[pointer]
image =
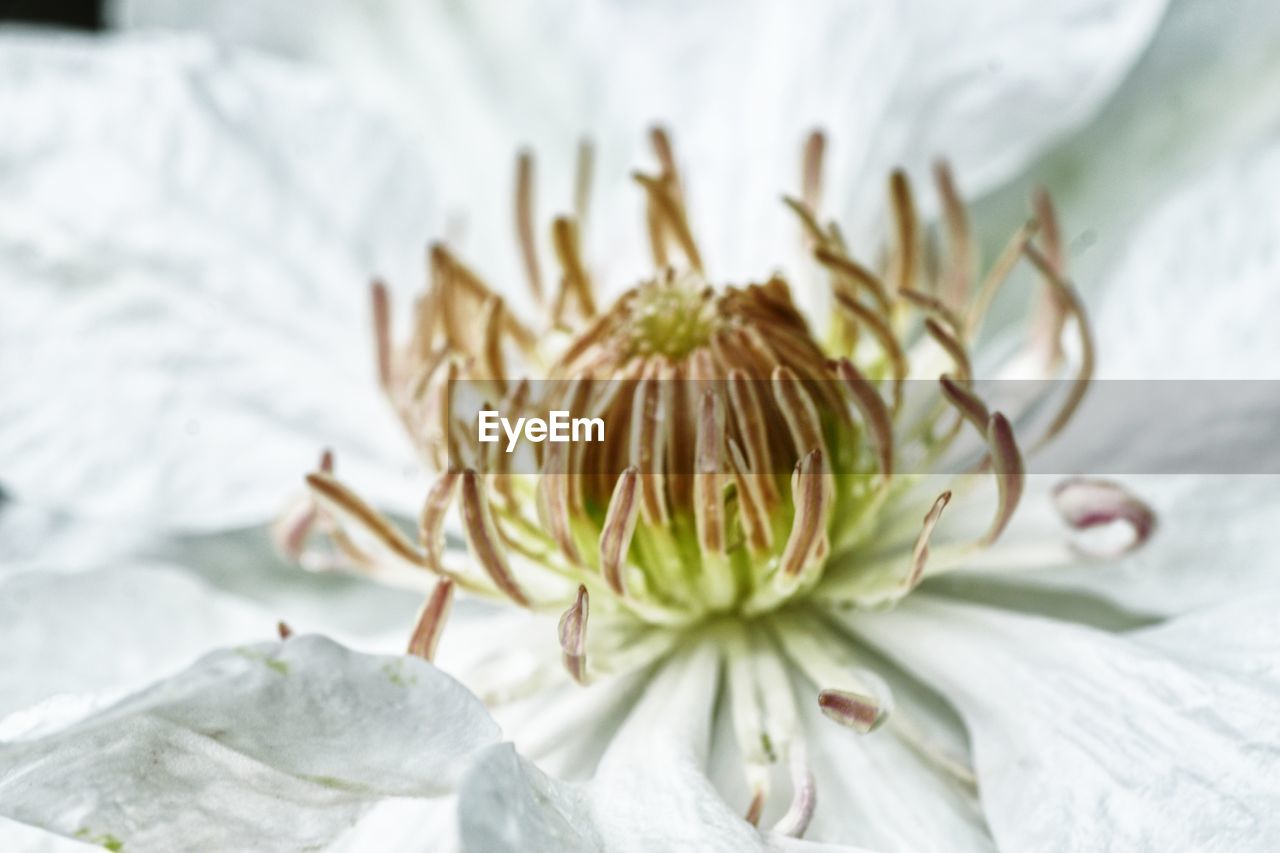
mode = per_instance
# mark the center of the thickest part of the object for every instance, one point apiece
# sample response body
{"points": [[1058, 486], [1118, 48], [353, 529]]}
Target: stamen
{"points": [[811, 495], [431, 620], [1087, 502], [807, 219], [749, 415], [565, 234], [665, 152], [966, 402], [859, 275], [573, 636], [935, 307], [491, 323], [553, 488], [648, 448], [1009, 472], [751, 500], [996, 276], [798, 411], [858, 712], [804, 796], [708, 491], [1051, 311], [875, 415], [382, 332], [431, 525], [1074, 307], [920, 553], [584, 166], [524, 223], [619, 527], [338, 499], [888, 342], [811, 172], [957, 278], [906, 231], [289, 534], [283, 630], [664, 198], [954, 349], [482, 538]]}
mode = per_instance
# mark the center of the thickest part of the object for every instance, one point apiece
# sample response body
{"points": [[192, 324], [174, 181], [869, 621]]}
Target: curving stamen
{"points": [[804, 795], [798, 411], [664, 197], [491, 348], [431, 525], [553, 499], [1051, 311], [573, 636], [811, 494], [482, 538], [935, 307], [856, 274], [969, 404], [748, 411], [807, 218], [619, 527], [648, 444], [382, 331], [996, 276], [888, 342], [1084, 374], [954, 349], [920, 553], [815, 147], [564, 232], [906, 232], [708, 491], [290, 532], [956, 280], [875, 415], [431, 620], [1088, 502], [853, 710], [524, 223], [1009, 472], [751, 501]]}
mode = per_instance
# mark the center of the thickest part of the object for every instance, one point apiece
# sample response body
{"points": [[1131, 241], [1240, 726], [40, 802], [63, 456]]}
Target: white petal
{"points": [[1214, 542], [1199, 92], [1198, 277], [740, 84], [1086, 740], [650, 790], [274, 746], [110, 630], [188, 237]]}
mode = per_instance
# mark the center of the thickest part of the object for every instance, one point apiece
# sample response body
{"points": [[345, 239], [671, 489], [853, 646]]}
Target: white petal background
{"points": [[186, 230]]}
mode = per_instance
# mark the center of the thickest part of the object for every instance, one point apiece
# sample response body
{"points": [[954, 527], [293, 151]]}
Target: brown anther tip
{"points": [[920, 553], [326, 461], [283, 630], [1089, 502], [852, 710], [755, 808], [431, 621], [572, 631], [1009, 472]]}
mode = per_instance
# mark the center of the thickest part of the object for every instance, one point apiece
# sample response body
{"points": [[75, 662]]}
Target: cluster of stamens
{"points": [[750, 463]]}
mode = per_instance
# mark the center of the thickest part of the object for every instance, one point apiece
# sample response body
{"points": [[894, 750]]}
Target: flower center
{"points": [[671, 320]]}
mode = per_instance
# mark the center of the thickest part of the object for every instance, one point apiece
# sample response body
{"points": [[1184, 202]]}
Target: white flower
{"points": [[285, 746]]}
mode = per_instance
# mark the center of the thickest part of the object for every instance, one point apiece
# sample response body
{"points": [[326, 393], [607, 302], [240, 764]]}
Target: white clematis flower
{"points": [[665, 760]]}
